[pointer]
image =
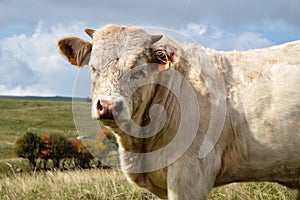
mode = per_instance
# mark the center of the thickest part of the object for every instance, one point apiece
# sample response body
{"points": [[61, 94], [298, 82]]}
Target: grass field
{"points": [[111, 184], [19, 116]]}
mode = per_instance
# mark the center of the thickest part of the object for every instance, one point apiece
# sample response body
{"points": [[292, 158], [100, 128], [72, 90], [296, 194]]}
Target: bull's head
{"points": [[120, 59]]}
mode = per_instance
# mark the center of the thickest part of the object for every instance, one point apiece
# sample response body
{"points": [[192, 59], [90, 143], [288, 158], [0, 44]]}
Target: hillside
{"points": [[54, 98], [42, 116]]}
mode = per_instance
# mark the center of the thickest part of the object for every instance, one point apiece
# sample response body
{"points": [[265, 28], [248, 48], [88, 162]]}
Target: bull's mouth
{"points": [[112, 125], [108, 123], [121, 127]]}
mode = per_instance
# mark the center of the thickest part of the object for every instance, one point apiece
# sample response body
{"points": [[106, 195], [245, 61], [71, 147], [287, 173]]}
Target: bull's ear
{"points": [[76, 50]]}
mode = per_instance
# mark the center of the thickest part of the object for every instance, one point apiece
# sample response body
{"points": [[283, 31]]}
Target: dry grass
{"points": [[80, 184], [252, 191], [111, 184]]}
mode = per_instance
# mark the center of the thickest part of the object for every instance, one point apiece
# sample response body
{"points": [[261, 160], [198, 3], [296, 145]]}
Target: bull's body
{"points": [[260, 137]]}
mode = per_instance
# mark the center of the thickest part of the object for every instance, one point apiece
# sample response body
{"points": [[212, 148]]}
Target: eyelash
{"points": [[94, 70]]}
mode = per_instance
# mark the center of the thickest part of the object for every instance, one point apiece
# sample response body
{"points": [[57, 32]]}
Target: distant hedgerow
{"points": [[57, 148]]}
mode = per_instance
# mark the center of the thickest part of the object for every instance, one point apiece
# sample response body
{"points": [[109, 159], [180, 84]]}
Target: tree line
{"points": [[45, 151]]}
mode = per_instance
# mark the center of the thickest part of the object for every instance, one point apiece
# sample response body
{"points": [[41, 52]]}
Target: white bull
{"points": [[254, 96]]}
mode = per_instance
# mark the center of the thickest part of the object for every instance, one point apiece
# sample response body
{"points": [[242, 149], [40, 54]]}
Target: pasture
{"points": [[19, 116], [111, 184]]}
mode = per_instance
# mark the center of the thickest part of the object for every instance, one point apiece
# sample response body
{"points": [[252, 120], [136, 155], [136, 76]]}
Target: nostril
{"points": [[99, 106]]}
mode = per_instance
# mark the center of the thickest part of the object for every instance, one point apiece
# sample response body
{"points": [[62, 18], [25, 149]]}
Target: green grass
{"points": [[9, 166], [19, 116]]}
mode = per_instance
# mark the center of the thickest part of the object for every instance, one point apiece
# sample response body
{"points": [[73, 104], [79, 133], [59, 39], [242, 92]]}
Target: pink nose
{"points": [[106, 108]]}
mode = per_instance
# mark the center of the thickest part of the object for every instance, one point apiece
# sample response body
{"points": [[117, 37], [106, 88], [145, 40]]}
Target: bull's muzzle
{"points": [[111, 109], [105, 109]]}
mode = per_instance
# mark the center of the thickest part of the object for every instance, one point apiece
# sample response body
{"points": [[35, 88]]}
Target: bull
{"points": [[188, 118]]}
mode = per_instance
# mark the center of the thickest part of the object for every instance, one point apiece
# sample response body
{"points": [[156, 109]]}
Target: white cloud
{"points": [[250, 40], [31, 65], [196, 29], [215, 38], [26, 91]]}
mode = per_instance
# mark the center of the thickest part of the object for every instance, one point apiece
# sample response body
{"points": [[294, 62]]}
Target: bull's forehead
{"points": [[118, 39], [115, 51], [114, 44]]}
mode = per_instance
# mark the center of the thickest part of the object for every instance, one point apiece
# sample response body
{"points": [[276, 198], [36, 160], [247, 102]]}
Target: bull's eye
{"points": [[94, 70], [138, 74], [161, 56]]}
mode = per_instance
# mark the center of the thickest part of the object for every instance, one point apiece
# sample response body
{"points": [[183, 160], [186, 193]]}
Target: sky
{"points": [[31, 65]]}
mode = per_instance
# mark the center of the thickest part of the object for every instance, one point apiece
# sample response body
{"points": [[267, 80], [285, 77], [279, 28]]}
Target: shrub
{"points": [[60, 149], [80, 153], [29, 146]]}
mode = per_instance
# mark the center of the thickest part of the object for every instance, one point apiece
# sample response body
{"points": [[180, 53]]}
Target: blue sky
{"points": [[30, 64]]}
